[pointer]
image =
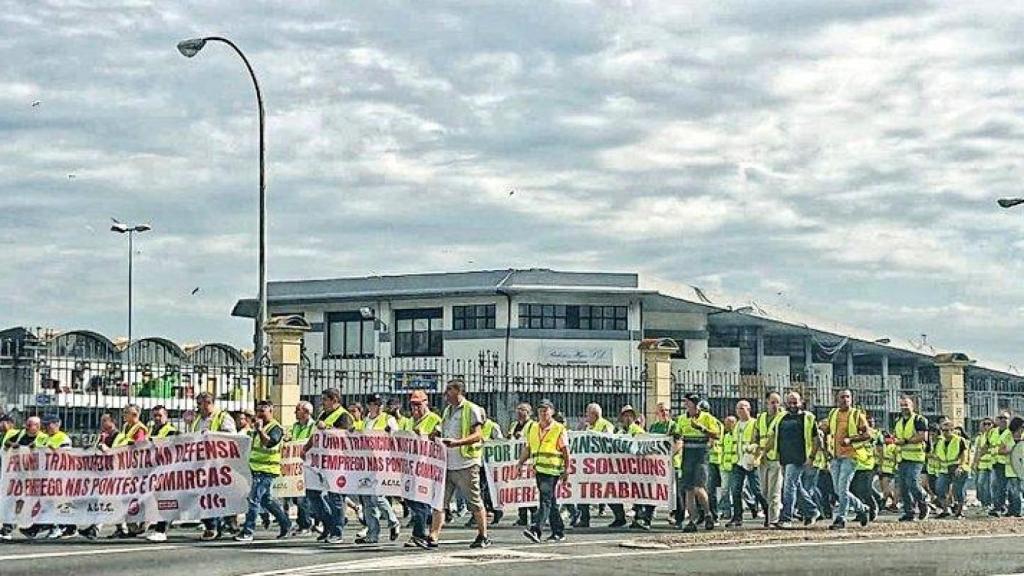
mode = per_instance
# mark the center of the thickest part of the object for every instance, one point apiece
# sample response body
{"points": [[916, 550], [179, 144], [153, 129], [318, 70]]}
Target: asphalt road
{"points": [[596, 552]]}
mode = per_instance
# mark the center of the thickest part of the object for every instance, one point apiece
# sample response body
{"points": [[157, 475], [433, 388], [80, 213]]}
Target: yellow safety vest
{"points": [[996, 440], [488, 429], [8, 435], [690, 433], [890, 458], [810, 428], [165, 431], [359, 425], [766, 429], [52, 440], [300, 432], [904, 429], [729, 457], [602, 425], [215, 422], [547, 458], [948, 453], [266, 460], [126, 435], [471, 451], [331, 418], [425, 426], [380, 423]]}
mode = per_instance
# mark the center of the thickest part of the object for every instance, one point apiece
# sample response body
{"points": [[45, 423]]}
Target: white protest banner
{"points": [[186, 477], [290, 484], [362, 463], [603, 469]]}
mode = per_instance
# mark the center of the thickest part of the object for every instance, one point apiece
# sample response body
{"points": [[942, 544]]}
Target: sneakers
{"points": [[362, 533], [618, 523], [365, 540], [690, 528], [415, 542], [431, 543], [285, 533], [734, 524], [395, 531], [301, 532], [481, 542], [498, 515], [709, 522], [636, 525], [533, 535], [872, 514], [244, 537], [839, 524], [555, 538], [208, 535], [155, 537], [906, 518], [944, 514], [785, 525], [54, 534], [6, 536], [922, 510], [810, 520], [863, 517], [333, 539]]}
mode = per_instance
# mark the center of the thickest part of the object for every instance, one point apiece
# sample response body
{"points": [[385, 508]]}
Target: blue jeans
{"points": [[794, 493], [329, 508], [908, 477], [998, 493], [1013, 496], [304, 519], [422, 516], [957, 482], [376, 508], [983, 484], [259, 496], [842, 475], [547, 488], [737, 478]]}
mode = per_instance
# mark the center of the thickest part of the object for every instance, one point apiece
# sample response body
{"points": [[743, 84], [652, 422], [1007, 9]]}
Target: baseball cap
{"points": [[627, 408], [50, 419], [374, 399], [418, 397], [6, 418], [545, 403], [692, 397]]}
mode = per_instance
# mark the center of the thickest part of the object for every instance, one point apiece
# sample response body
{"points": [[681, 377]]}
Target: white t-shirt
{"points": [[451, 427]]}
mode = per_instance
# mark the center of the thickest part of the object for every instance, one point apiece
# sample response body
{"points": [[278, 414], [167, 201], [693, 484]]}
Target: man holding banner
{"points": [[462, 429], [329, 507], [548, 446], [422, 423], [301, 430]]}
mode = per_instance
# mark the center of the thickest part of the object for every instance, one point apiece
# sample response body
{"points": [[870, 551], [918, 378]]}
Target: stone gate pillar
{"points": [[951, 385], [284, 337], [657, 357]]}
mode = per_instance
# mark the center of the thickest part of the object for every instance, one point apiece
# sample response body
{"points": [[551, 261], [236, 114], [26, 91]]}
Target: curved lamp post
{"points": [[190, 48]]}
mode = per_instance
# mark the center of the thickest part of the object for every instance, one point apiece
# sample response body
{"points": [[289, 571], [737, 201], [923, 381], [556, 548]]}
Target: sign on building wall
{"points": [[574, 354]]}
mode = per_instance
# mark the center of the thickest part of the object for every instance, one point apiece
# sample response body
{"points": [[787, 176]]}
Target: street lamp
{"points": [[121, 228], [188, 49], [1010, 202]]}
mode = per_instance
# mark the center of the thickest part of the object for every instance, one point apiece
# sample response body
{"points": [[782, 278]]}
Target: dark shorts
{"points": [[695, 469]]}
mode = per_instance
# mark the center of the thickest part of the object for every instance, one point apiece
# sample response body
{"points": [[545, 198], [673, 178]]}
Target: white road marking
{"points": [[408, 562], [93, 552]]}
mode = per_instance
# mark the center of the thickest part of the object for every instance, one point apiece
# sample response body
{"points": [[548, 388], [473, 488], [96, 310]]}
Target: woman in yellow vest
{"points": [[547, 445], [887, 473], [265, 463]]}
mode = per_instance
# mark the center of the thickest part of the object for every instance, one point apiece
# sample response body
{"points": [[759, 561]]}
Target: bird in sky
{"points": [[195, 290], [71, 176], [512, 192], [36, 103]]}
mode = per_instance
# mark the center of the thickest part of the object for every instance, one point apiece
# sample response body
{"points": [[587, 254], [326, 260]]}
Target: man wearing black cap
{"points": [[547, 445], [694, 430]]}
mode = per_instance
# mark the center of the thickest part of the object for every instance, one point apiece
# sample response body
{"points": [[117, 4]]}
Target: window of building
{"points": [[572, 317], [349, 335], [477, 317], [419, 332]]}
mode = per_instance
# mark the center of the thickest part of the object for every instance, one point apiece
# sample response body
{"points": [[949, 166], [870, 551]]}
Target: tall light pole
{"points": [[190, 48], [130, 231]]}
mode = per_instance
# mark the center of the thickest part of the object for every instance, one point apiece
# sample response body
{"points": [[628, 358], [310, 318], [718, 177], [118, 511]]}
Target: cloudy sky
{"points": [[837, 158]]}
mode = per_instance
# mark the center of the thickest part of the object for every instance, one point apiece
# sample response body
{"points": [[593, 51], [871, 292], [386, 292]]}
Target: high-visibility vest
{"points": [[933, 464], [765, 430], [470, 451], [904, 430], [266, 460], [985, 458], [402, 421], [359, 425], [547, 458], [330, 419], [822, 456], [58, 440], [216, 420], [522, 431], [488, 429], [127, 434], [747, 436], [890, 458], [864, 456], [948, 452], [8, 435], [380, 423], [690, 433], [165, 431], [727, 445], [851, 430], [601, 425], [424, 426], [633, 429], [1007, 441], [998, 439], [302, 432], [810, 428]]}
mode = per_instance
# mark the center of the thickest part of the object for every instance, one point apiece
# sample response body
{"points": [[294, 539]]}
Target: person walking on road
{"points": [[770, 471], [547, 445], [847, 427], [462, 428], [210, 418], [911, 431], [954, 454], [744, 474], [999, 435], [377, 508], [794, 442], [1014, 431], [329, 507], [694, 430], [423, 422], [265, 464], [516, 430], [982, 464]]}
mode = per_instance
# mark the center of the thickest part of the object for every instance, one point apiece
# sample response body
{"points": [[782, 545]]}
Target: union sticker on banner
{"points": [[402, 464], [603, 469], [186, 477]]}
